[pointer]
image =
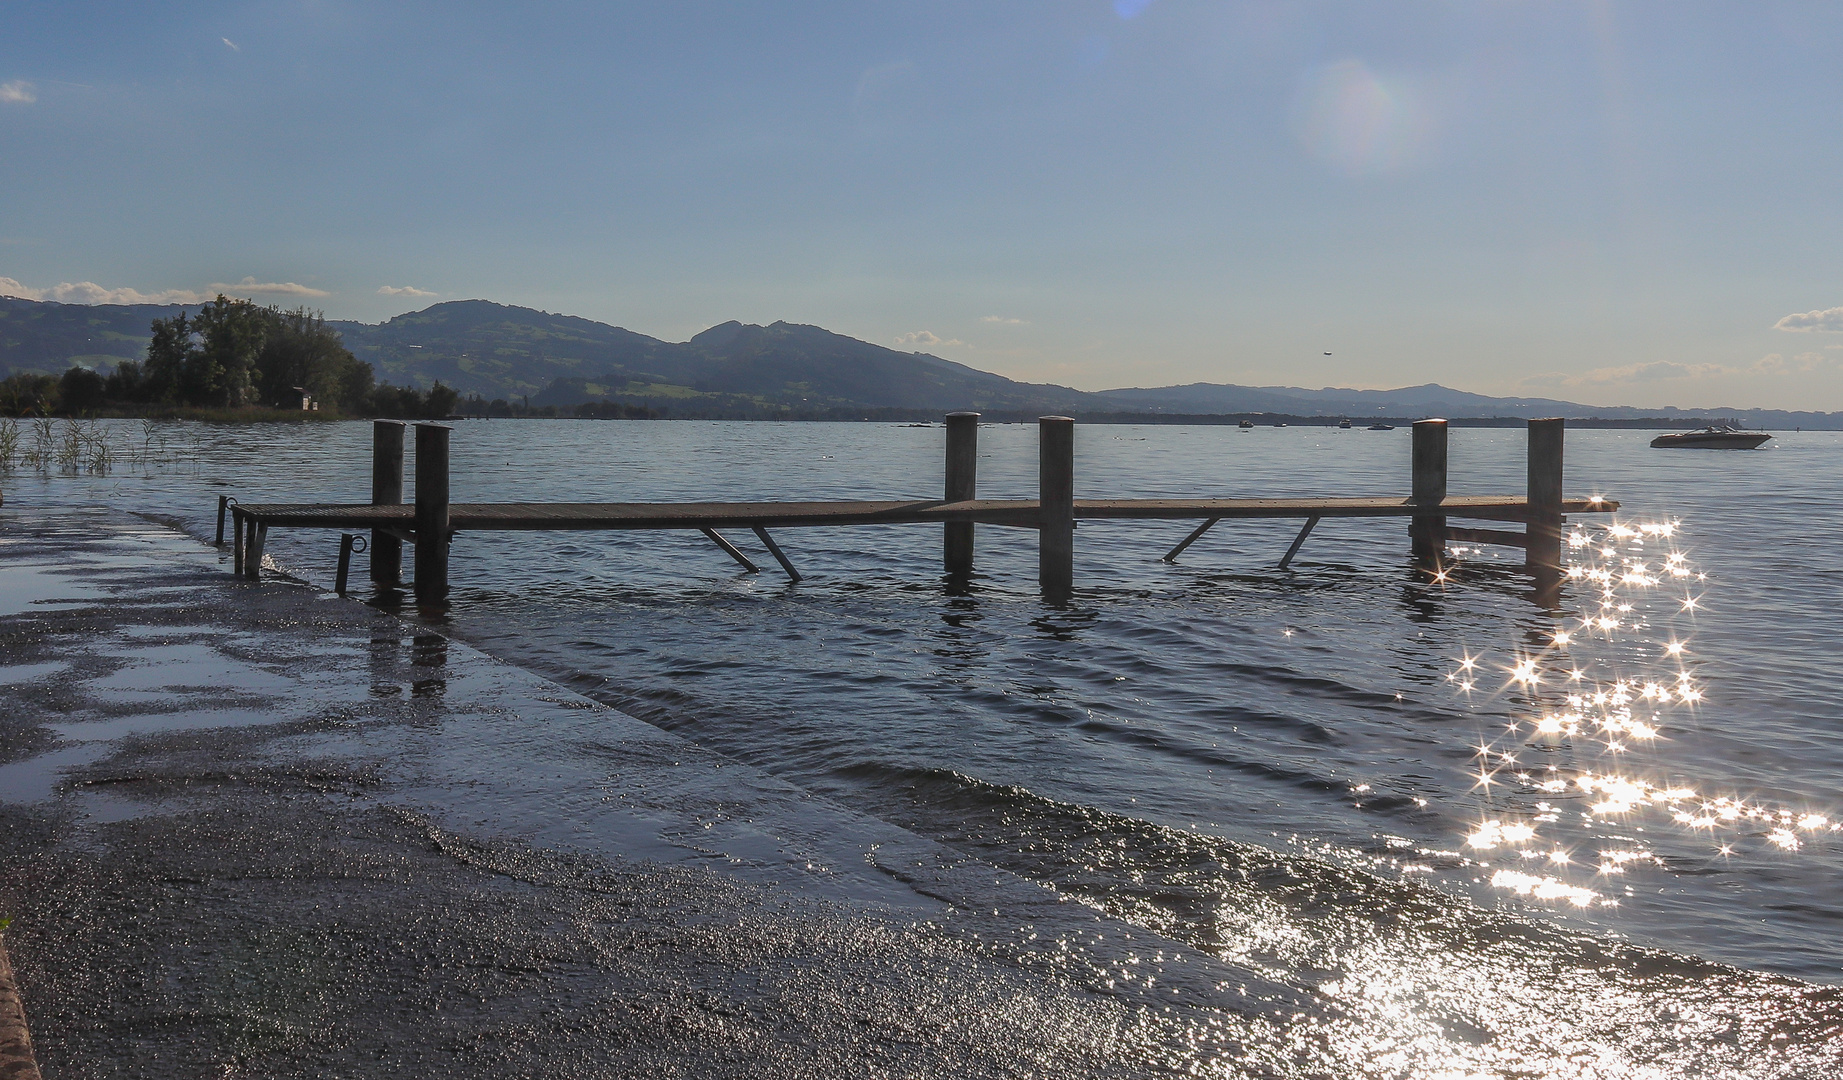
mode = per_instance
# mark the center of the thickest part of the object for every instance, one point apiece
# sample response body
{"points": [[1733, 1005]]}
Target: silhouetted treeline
{"points": [[232, 354], [435, 403], [475, 405]]}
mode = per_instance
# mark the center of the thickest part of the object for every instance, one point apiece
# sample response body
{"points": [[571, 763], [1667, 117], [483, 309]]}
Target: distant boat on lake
{"points": [[1713, 437], [1382, 427], [1245, 424], [1344, 423]]}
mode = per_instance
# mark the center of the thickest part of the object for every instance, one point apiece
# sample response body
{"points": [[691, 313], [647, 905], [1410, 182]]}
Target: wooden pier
{"points": [[1053, 514]]}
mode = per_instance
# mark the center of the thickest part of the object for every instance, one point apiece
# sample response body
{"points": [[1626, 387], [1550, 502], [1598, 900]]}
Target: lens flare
{"points": [[1360, 122]]}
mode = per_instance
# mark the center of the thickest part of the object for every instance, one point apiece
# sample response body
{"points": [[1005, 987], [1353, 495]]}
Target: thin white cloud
{"points": [[1774, 364], [1829, 320], [923, 339], [18, 92], [1657, 371], [88, 292], [406, 290], [1004, 320], [250, 285], [234, 47]]}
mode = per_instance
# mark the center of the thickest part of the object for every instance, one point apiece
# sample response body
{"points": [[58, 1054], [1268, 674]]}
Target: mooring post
{"points": [[224, 502], [1545, 467], [1427, 532], [1056, 500], [962, 486], [386, 490], [432, 511]]}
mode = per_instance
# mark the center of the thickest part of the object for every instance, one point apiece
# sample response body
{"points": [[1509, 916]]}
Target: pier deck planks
{"points": [[473, 517]]}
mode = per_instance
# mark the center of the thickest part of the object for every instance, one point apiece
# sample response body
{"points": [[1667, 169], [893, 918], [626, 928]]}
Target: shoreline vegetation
{"points": [[232, 361]]}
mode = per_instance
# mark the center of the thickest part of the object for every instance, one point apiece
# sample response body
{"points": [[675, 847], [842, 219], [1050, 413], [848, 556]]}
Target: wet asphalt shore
{"points": [[255, 830]]}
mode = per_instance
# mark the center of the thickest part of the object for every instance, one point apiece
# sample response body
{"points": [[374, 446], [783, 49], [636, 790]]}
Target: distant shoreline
{"points": [[263, 415]]}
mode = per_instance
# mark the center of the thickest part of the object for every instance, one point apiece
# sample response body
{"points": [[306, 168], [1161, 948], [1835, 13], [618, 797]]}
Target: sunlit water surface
{"points": [[1433, 803]]}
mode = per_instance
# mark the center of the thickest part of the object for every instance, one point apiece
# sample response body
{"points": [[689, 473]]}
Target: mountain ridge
{"points": [[734, 368]]}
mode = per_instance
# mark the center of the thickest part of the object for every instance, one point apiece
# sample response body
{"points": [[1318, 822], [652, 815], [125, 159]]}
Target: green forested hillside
{"points": [[51, 338]]}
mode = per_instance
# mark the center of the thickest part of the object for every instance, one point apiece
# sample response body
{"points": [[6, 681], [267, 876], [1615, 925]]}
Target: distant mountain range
{"points": [[737, 369]]}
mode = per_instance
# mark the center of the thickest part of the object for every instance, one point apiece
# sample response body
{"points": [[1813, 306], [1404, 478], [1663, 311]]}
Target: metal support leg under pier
{"points": [[774, 549], [731, 550], [1171, 556], [1286, 560]]}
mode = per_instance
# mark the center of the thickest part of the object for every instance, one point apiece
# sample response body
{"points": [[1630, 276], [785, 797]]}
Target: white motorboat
{"points": [[1713, 437]]}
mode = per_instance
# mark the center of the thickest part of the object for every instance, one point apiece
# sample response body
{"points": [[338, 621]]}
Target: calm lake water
{"points": [[1434, 804]]}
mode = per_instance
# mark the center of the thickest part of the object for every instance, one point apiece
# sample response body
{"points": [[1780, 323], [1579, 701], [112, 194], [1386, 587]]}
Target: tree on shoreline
{"points": [[232, 354], [235, 353]]}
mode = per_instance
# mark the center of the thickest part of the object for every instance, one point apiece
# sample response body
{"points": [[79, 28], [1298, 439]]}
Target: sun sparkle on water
{"points": [[1599, 694]]}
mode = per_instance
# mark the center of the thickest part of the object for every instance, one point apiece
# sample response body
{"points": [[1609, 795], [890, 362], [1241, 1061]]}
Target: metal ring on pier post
{"points": [[1427, 532], [962, 486], [1545, 469], [386, 490], [1056, 507], [432, 511]]}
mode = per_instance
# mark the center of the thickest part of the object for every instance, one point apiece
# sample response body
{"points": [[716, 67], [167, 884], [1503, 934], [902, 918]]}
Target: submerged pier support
{"points": [[225, 502], [1543, 533], [255, 537], [432, 512], [1056, 507], [348, 543], [962, 486], [386, 490], [1427, 532]]}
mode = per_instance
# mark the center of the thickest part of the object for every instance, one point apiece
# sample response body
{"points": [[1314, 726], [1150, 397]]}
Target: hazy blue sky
{"points": [[1604, 202]]}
